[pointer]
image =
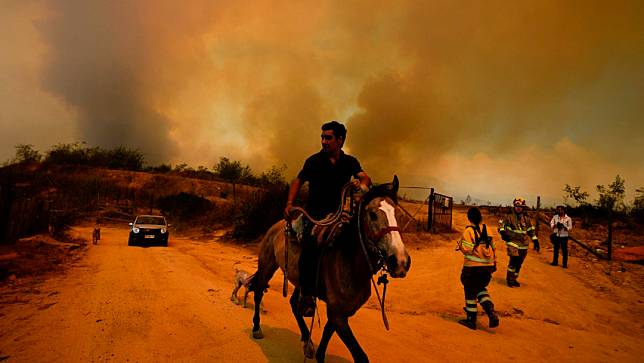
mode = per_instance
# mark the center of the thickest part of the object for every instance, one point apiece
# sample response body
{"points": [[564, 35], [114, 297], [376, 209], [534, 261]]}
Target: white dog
{"points": [[242, 278]]}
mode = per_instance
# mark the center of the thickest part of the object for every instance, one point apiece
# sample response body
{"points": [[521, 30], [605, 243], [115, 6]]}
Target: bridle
{"points": [[371, 250], [370, 243]]}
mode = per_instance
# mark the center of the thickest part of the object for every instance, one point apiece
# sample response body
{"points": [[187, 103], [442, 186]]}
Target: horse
{"points": [[369, 242]]}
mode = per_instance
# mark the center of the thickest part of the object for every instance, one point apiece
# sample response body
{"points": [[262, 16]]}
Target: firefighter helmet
{"points": [[519, 202]]}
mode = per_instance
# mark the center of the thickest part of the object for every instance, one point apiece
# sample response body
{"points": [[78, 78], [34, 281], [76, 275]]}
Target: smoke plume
{"points": [[489, 98]]}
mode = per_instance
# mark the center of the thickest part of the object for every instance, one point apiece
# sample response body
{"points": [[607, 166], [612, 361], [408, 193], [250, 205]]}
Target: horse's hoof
{"points": [[258, 334], [309, 350]]}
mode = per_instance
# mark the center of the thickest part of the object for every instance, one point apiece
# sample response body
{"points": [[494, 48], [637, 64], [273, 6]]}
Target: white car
{"points": [[148, 230]]}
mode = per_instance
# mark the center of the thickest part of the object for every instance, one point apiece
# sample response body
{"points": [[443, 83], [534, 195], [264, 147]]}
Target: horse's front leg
{"points": [[309, 349], [329, 329], [341, 325]]}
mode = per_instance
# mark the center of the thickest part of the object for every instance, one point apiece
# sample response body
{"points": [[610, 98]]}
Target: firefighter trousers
{"points": [[514, 266], [475, 281]]}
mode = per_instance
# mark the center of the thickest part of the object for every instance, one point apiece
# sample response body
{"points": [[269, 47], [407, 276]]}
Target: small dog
{"points": [[242, 278]]}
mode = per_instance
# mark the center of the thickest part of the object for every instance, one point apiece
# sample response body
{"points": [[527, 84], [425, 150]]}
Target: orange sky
{"points": [[489, 100]]}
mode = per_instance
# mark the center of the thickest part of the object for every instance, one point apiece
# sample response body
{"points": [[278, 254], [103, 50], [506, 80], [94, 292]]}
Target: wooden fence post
{"points": [[610, 235], [430, 209], [536, 228]]}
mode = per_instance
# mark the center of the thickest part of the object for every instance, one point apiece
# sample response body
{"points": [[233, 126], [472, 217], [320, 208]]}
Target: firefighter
{"points": [[478, 265], [514, 230]]}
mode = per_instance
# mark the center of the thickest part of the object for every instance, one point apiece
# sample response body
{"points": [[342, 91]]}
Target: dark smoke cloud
{"points": [[110, 60], [427, 89], [497, 77]]}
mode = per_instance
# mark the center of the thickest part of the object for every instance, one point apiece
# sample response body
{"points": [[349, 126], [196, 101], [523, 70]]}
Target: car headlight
{"points": [[135, 230], [163, 230]]}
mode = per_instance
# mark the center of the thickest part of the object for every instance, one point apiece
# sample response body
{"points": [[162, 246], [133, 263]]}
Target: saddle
{"points": [[324, 235]]}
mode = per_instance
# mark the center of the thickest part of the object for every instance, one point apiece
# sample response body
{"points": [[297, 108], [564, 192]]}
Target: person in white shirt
{"points": [[561, 225]]}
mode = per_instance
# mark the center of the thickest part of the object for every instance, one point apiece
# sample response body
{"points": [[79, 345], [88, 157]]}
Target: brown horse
{"points": [[344, 271]]}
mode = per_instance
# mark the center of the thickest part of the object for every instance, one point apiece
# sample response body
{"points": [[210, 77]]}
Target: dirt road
{"points": [[173, 304]]}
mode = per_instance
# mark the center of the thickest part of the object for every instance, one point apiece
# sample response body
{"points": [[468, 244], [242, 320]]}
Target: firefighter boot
{"points": [[470, 321], [493, 317], [511, 279]]}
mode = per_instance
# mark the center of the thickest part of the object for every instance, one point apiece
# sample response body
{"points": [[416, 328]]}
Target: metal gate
{"points": [[439, 212]]}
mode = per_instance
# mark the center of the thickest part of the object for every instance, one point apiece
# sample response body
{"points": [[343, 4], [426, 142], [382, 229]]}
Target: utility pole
{"points": [[430, 209], [536, 228], [610, 234]]}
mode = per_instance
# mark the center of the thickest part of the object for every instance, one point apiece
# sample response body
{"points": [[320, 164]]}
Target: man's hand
{"points": [[560, 225], [356, 184], [536, 245], [359, 186], [287, 211]]}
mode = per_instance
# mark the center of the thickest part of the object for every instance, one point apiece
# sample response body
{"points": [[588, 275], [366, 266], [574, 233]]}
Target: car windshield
{"points": [[150, 220]]}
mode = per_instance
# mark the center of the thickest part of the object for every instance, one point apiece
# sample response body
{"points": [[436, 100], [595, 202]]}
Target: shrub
{"points": [[256, 215], [183, 206]]}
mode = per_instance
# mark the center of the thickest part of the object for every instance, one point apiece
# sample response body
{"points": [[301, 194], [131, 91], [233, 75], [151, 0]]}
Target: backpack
{"points": [[481, 236]]}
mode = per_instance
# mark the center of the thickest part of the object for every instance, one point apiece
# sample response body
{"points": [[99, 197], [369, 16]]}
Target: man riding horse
{"points": [[327, 172]]}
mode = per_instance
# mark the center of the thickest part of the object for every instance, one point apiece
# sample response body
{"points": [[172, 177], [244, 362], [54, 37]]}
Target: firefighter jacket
{"points": [[514, 229], [476, 255]]}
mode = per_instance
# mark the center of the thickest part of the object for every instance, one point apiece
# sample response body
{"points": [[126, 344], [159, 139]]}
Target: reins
{"points": [[382, 279], [332, 218]]}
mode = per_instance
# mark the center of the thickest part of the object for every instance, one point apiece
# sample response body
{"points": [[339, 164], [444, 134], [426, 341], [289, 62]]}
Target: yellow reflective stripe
{"points": [[470, 302], [519, 231], [471, 310], [484, 299], [531, 228], [467, 244], [516, 245], [534, 238], [476, 259], [484, 292]]}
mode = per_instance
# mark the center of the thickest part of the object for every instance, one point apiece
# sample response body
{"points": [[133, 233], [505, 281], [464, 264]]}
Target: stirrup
{"points": [[306, 306]]}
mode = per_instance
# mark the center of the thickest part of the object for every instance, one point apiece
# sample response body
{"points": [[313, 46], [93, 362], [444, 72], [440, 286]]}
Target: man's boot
{"points": [[493, 317], [307, 306], [470, 321]]}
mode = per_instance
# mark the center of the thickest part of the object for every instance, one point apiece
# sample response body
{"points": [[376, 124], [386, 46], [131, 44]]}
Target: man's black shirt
{"points": [[326, 181]]}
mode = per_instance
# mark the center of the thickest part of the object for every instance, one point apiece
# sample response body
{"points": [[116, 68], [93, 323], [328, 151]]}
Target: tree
{"points": [[575, 194], [612, 197], [26, 153], [233, 172], [273, 176], [638, 203], [579, 196]]}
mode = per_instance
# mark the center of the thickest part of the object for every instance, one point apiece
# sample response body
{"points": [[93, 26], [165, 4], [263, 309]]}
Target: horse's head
{"points": [[380, 228]]}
